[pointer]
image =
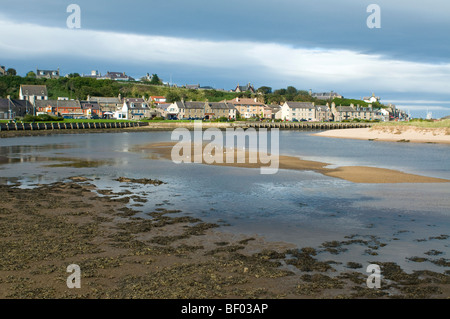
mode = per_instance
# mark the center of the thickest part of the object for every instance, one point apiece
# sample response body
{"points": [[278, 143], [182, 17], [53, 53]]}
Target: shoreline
{"points": [[401, 134], [167, 255]]}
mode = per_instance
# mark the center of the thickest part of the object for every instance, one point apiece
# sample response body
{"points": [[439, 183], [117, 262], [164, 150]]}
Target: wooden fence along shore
{"points": [[36, 126]]}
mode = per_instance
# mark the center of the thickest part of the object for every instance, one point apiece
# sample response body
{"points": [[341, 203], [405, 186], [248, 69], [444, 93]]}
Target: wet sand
{"points": [[403, 134], [165, 255], [355, 174]]}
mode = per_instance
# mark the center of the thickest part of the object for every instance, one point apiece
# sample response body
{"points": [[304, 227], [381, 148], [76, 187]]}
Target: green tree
{"points": [[155, 80], [265, 90], [74, 75], [290, 90], [31, 74], [11, 71], [172, 96]]}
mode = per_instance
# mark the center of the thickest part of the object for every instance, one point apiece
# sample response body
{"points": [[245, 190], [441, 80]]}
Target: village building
{"points": [[351, 112], [91, 109], [244, 88], [169, 111], [94, 75], [107, 104], [217, 110], [298, 111], [323, 113], [133, 109], [156, 100], [64, 108], [195, 110], [276, 111], [12, 108], [47, 74], [248, 108], [2, 70], [326, 95], [115, 76], [371, 99], [33, 93]]}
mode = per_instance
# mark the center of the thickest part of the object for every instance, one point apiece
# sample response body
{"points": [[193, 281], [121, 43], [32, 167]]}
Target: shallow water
{"points": [[299, 207]]}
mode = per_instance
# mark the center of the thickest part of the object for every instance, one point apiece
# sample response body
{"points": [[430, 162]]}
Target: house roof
{"points": [[6, 104], [345, 109], [105, 100], [192, 105], [243, 88], [163, 106], [244, 101], [300, 105], [135, 100], [40, 90], [58, 103], [220, 105]]}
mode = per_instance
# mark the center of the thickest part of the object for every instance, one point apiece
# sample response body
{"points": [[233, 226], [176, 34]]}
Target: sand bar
{"points": [[355, 174]]}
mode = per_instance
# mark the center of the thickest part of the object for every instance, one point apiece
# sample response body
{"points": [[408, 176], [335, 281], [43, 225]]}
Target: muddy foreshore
{"points": [[165, 255]]}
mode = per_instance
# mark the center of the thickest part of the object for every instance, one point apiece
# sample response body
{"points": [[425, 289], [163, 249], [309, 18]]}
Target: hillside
{"points": [[80, 87]]}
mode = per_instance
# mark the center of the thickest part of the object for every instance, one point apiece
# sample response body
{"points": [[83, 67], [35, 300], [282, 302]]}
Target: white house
{"points": [[298, 111], [371, 99], [33, 92]]}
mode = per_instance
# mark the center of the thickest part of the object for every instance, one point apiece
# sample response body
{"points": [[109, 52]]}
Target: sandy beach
{"points": [[393, 134]]}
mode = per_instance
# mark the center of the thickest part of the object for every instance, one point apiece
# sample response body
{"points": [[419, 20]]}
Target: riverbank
{"points": [[166, 254], [393, 133]]}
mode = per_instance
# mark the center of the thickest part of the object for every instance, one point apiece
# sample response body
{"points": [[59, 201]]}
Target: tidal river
{"points": [[399, 222]]}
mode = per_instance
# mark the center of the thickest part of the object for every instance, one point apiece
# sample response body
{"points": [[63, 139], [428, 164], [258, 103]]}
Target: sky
{"points": [[322, 45]]}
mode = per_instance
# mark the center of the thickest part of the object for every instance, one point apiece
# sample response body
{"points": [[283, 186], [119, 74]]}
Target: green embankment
{"points": [[418, 123]]}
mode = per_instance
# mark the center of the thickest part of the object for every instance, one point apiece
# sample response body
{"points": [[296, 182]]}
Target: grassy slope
{"points": [[419, 123]]}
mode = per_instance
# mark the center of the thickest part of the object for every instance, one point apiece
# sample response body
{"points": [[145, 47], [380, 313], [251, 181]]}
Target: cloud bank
{"points": [[314, 67]]}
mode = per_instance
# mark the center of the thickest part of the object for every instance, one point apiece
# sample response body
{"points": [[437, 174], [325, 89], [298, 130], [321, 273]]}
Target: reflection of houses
{"points": [[64, 108], [248, 108], [298, 111], [33, 92], [11, 108], [47, 74], [244, 88]]}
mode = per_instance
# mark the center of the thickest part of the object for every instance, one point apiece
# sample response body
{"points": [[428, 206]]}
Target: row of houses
{"points": [[34, 99]]}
